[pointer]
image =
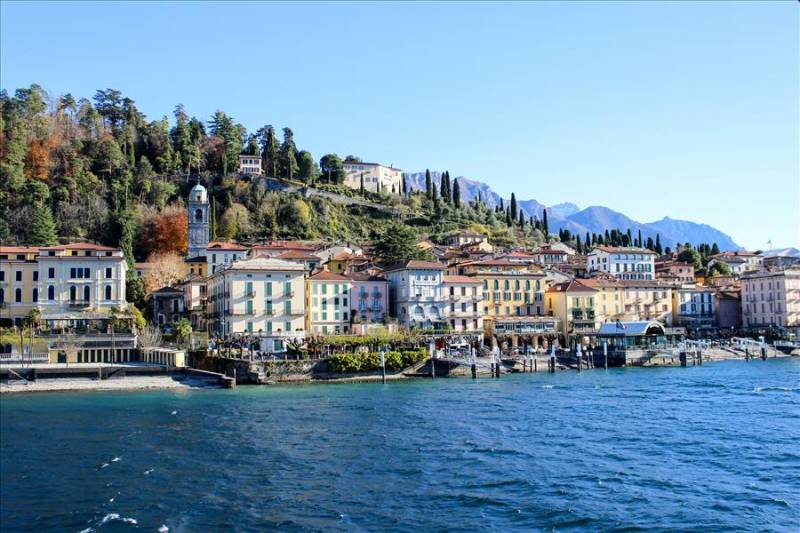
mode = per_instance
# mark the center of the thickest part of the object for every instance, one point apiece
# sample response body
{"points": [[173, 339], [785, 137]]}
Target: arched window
{"points": [[505, 285], [198, 215], [35, 295], [51, 293], [527, 284], [108, 292], [18, 295], [435, 311], [516, 284], [496, 284], [418, 310], [486, 284], [72, 293], [87, 294]]}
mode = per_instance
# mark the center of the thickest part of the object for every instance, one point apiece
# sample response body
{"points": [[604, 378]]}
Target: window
{"points": [[19, 275], [35, 275], [108, 292], [51, 293], [86, 294], [35, 295], [18, 295], [287, 288], [108, 272], [2, 275]]}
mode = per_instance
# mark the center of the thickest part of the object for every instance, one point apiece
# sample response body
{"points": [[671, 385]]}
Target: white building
{"points": [[250, 164], [622, 263], [261, 297], [463, 297], [738, 262], [694, 307], [376, 177], [222, 254], [416, 293]]}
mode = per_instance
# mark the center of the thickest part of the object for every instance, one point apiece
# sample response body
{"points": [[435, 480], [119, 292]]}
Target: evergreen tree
{"points": [[434, 193], [513, 206], [658, 244], [714, 249], [587, 243], [545, 227], [521, 220], [403, 185], [270, 151], [650, 244], [443, 186], [307, 169], [288, 156], [362, 183], [508, 218], [428, 185], [457, 194], [629, 238], [639, 240], [41, 229]]}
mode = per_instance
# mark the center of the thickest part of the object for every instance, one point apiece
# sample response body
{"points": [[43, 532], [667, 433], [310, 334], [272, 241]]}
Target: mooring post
{"points": [[534, 364], [383, 366], [579, 355], [432, 349], [552, 363], [605, 354]]}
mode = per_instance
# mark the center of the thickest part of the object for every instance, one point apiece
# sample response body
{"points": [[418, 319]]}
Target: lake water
{"points": [[715, 447]]}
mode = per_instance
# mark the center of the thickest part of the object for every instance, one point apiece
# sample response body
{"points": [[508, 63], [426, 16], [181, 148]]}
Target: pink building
{"points": [[728, 304], [369, 297], [771, 298]]}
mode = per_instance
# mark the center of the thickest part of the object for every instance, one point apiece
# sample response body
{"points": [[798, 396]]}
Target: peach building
{"points": [[771, 298]]}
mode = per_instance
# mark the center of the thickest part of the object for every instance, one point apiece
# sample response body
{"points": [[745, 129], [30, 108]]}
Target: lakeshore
{"points": [[171, 380]]}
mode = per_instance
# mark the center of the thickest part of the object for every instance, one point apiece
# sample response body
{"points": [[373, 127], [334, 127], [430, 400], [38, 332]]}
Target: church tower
{"points": [[198, 221]]}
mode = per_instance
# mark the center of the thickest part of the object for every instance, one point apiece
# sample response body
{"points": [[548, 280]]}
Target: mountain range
{"points": [[593, 219]]}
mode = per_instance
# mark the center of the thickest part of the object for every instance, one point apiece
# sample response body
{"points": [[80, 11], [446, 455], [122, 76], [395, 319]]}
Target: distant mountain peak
{"points": [[592, 219]]}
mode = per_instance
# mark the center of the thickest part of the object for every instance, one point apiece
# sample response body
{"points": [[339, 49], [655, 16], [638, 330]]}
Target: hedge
{"points": [[349, 363]]}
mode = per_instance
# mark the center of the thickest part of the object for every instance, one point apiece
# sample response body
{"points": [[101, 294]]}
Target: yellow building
{"points": [[60, 280], [648, 300], [198, 266], [609, 301], [573, 303]]}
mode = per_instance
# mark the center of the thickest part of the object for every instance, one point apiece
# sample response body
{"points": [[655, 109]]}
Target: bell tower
{"points": [[198, 221]]}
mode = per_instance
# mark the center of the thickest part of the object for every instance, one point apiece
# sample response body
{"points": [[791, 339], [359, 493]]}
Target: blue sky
{"points": [[681, 109]]}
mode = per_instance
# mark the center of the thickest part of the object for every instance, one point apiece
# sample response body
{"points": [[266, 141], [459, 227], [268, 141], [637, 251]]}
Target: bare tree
{"points": [[149, 337], [69, 344], [168, 269]]}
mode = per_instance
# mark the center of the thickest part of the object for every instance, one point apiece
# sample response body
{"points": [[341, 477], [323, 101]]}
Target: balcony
{"points": [[76, 304]]}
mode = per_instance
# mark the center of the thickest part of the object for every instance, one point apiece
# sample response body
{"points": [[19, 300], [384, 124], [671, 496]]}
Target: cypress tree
{"points": [[650, 244], [403, 184], [639, 243], [545, 227], [658, 243], [630, 237], [513, 206], [428, 185], [434, 193], [501, 205], [587, 244], [508, 218], [521, 220], [457, 194], [362, 183]]}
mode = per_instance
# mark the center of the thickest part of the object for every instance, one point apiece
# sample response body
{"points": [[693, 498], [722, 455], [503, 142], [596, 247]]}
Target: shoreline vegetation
{"points": [[189, 383]]}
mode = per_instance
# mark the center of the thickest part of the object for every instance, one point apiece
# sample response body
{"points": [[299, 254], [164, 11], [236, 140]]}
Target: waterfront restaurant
{"points": [[637, 335]]}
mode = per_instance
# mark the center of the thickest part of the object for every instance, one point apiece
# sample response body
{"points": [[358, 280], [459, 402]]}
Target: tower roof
{"points": [[198, 194]]}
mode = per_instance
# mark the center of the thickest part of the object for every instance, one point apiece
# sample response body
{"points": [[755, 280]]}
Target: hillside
{"points": [[594, 219]]}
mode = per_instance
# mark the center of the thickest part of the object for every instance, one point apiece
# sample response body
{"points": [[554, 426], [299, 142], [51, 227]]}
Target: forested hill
{"points": [[97, 169]]}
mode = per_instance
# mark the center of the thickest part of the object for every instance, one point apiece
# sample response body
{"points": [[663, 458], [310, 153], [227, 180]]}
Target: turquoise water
{"points": [[715, 447]]}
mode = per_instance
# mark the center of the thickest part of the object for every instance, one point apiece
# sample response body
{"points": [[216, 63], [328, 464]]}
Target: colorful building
{"points": [[626, 263], [416, 294], [327, 304], [463, 297], [771, 299]]}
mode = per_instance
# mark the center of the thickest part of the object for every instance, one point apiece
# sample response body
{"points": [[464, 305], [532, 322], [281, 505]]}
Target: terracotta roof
{"points": [[325, 275], [225, 246], [415, 264], [298, 254], [461, 279], [729, 255], [81, 246], [518, 253], [344, 256], [571, 286], [18, 249], [623, 250], [645, 283], [601, 282]]}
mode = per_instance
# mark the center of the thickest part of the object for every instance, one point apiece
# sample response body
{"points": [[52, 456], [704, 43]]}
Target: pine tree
{"points": [[714, 249], [428, 185], [457, 194], [270, 151], [288, 156], [658, 243], [41, 228]]}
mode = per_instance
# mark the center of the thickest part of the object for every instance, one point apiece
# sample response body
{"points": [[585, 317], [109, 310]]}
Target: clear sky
{"points": [[681, 109]]}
